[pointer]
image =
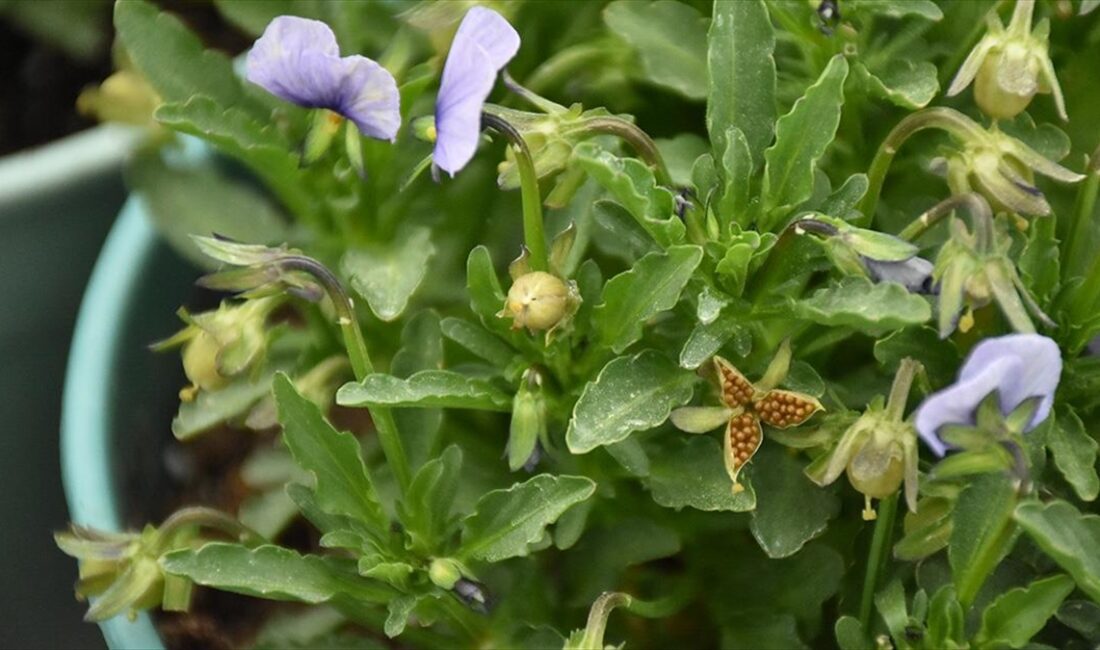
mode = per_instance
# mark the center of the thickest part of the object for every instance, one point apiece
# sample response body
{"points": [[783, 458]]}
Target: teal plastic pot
{"points": [[119, 396], [57, 203]]}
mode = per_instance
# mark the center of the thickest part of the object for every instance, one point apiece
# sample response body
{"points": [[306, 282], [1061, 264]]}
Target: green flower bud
{"points": [[444, 572], [538, 301], [1009, 66], [528, 422]]}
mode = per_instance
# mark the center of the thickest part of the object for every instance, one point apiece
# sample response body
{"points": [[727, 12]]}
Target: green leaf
{"points": [[479, 341], [427, 388], [214, 407], [939, 357], [343, 486], [506, 522], [856, 302], [766, 630], [387, 275], [421, 349], [246, 138], [1040, 261], [849, 634], [426, 508], [801, 138], [172, 58], [688, 472], [1068, 537], [982, 533], [669, 38], [183, 202], [605, 553], [274, 573], [632, 184], [926, 9], [1074, 453], [630, 394], [1083, 617], [902, 82], [707, 339], [1018, 615], [890, 603], [945, 620], [633, 297], [741, 68], [733, 203], [486, 296], [398, 611], [680, 154], [790, 508]]}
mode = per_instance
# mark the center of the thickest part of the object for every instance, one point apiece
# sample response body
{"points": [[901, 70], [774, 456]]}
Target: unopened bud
{"points": [[537, 301], [444, 573]]}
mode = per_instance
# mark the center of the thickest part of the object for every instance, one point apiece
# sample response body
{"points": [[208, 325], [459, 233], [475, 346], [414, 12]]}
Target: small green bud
{"points": [[444, 572], [537, 301], [528, 421]]}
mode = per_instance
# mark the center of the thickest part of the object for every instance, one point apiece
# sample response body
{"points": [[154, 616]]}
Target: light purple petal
{"points": [[369, 97], [957, 403], [912, 273], [294, 60], [1042, 363], [298, 60], [484, 43]]}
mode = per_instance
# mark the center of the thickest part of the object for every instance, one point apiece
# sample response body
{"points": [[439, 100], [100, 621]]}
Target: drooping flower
{"points": [[1018, 367], [1009, 66], [915, 273], [484, 44], [298, 60], [879, 256], [744, 406]]}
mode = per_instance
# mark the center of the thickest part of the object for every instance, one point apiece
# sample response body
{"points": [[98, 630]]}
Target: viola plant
{"points": [[435, 447]]}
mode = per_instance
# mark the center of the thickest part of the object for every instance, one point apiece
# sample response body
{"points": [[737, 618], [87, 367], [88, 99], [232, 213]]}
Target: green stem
{"points": [[638, 140], [210, 518], [361, 364], [1082, 212], [978, 207], [948, 119], [880, 541], [534, 236], [899, 391]]}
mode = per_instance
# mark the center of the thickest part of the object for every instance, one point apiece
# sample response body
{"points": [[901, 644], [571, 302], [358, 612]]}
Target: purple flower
{"points": [[1017, 367], [299, 61], [484, 43], [913, 274]]}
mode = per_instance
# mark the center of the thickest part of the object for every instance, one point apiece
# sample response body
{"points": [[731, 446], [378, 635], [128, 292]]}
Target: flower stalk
{"points": [[534, 235]]}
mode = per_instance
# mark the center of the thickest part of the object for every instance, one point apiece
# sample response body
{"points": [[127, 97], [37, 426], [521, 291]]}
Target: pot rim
{"points": [[91, 490]]}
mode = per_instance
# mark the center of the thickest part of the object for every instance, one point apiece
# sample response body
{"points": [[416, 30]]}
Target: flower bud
{"points": [[1009, 66], [537, 301], [528, 422], [444, 572]]}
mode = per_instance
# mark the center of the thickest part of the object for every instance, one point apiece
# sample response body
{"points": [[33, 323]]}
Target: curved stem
{"points": [[880, 541], [947, 119], [899, 391], [638, 140], [361, 364], [210, 518], [534, 235], [975, 203]]}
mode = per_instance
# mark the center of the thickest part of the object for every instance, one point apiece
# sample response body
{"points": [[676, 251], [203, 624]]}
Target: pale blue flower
{"points": [[914, 273], [484, 44], [298, 60], [1018, 367]]}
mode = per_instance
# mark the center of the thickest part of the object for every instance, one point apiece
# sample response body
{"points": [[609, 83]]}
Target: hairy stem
{"points": [[978, 207]]}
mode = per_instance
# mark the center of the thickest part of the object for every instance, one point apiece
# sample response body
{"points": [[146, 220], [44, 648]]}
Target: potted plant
{"points": [[762, 381]]}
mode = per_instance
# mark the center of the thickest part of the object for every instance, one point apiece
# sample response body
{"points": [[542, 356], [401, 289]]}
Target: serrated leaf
{"points": [[244, 137], [506, 522], [1019, 614], [630, 394], [741, 69], [982, 533], [707, 339], [632, 184], [274, 573], [801, 138], [343, 486], [1074, 453], [427, 388], [669, 38], [1068, 537], [689, 473], [172, 58], [421, 349], [388, 275], [633, 297], [426, 508], [733, 203], [397, 615], [790, 508], [902, 82], [856, 302]]}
